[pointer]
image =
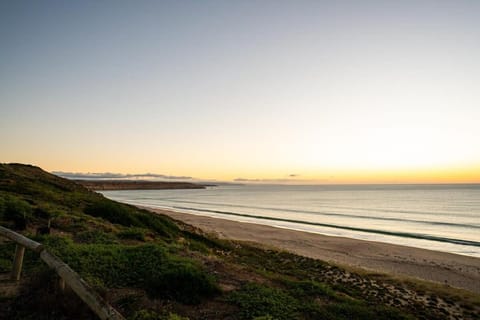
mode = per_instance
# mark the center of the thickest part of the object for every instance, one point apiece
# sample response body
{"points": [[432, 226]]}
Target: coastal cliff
{"points": [[137, 185]]}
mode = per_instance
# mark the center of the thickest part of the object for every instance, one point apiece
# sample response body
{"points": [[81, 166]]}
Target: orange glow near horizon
{"points": [[436, 175], [294, 92]]}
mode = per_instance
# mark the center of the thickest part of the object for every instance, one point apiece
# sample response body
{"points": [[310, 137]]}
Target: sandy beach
{"points": [[445, 268]]}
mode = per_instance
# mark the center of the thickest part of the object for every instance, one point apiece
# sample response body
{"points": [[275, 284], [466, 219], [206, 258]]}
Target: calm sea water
{"points": [[437, 217]]}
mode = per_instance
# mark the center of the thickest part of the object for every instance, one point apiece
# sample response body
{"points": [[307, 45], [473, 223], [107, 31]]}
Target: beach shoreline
{"points": [[441, 267]]}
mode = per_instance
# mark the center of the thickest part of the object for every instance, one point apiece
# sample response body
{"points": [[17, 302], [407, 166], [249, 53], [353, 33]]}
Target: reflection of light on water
{"points": [[418, 243]]}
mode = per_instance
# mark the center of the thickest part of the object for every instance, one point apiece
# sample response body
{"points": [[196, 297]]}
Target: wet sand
{"points": [[445, 268]]}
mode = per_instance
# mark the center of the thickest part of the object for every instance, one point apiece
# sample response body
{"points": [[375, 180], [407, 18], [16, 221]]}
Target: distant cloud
{"points": [[110, 175]]}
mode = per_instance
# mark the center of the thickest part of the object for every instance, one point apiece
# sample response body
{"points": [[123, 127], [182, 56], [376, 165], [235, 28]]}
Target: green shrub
{"points": [[145, 315], [56, 243], [129, 303], [97, 284], [131, 217], [2, 206], [309, 289], [17, 210], [5, 265], [115, 265], [198, 246], [182, 281], [95, 236], [160, 224], [256, 300], [41, 212], [132, 234], [147, 266], [31, 259], [357, 310], [112, 211], [70, 223], [209, 241], [173, 316], [151, 315]]}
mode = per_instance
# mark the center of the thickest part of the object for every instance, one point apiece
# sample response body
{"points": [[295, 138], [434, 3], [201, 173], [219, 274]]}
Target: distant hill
{"points": [[137, 185]]}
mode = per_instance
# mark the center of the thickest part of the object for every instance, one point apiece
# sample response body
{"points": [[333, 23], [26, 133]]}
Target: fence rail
{"points": [[69, 277]]}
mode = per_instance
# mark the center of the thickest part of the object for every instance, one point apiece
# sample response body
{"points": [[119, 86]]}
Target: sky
{"points": [[261, 91]]}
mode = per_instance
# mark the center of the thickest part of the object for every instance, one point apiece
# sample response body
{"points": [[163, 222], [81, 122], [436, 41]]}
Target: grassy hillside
{"points": [[151, 267]]}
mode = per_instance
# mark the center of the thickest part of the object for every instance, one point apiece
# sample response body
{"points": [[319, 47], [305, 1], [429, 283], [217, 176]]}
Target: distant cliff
{"points": [[136, 185]]}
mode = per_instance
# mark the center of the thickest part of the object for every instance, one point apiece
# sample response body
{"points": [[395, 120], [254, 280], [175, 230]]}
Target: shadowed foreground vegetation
{"points": [[151, 267]]}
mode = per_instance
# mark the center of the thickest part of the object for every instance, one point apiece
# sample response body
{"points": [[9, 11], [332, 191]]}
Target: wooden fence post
{"points": [[61, 284], [68, 277], [17, 262]]}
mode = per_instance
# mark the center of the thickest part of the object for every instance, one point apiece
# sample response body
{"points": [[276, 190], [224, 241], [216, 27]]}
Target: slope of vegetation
{"points": [[149, 266]]}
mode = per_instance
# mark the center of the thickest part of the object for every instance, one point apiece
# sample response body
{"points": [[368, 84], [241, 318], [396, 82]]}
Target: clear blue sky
{"points": [[345, 90]]}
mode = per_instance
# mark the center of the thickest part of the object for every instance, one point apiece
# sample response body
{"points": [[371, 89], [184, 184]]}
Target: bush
{"points": [[18, 211], [356, 310], [181, 281], [256, 300], [95, 236], [131, 217], [97, 285], [2, 206], [310, 289], [145, 315], [6, 258], [113, 212], [148, 266], [151, 315], [209, 241], [41, 212], [162, 225], [132, 234]]}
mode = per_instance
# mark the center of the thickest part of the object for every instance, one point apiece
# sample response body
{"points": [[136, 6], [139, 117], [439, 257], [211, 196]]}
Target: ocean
{"points": [[436, 217]]}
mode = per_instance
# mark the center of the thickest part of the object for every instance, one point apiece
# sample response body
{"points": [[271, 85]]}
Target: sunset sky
{"points": [[295, 91]]}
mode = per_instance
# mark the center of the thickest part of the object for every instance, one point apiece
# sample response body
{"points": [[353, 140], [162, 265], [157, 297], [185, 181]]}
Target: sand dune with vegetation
{"points": [[444, 268]]}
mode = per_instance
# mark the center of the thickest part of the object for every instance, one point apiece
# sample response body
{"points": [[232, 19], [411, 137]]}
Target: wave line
{"points": [[384, 232]]}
